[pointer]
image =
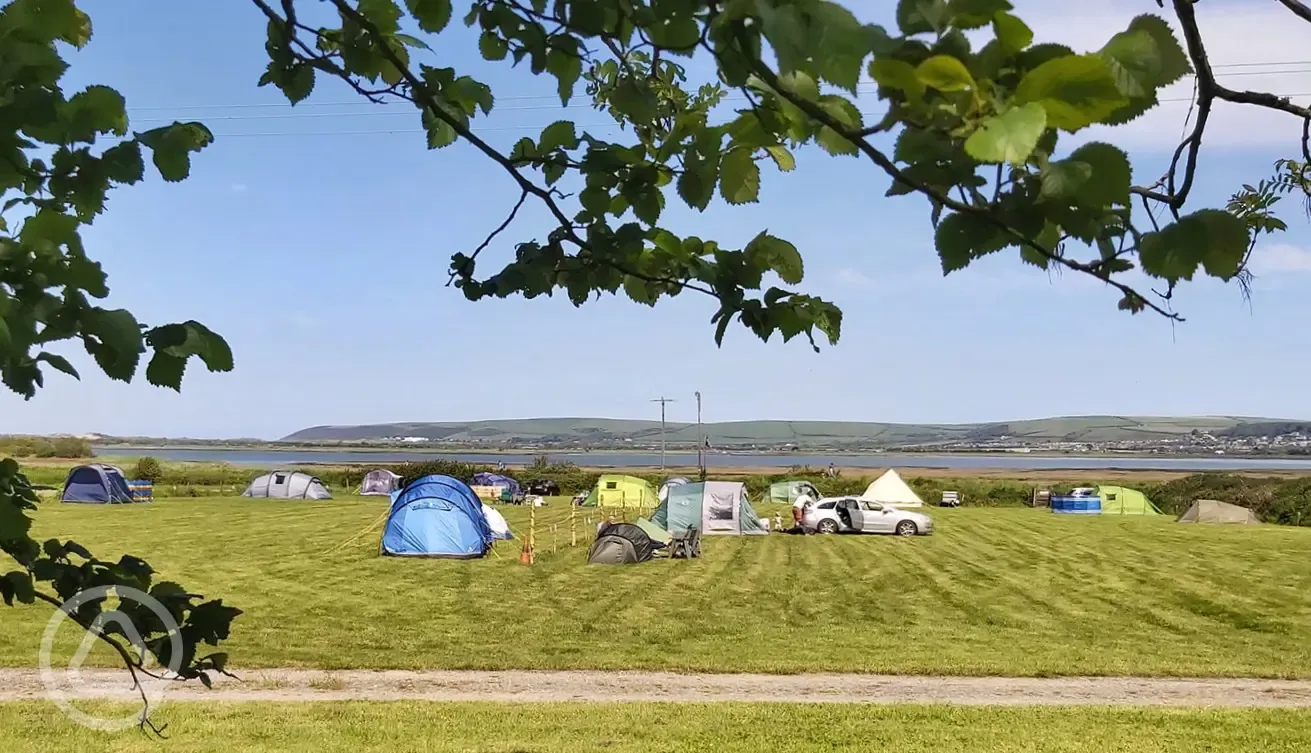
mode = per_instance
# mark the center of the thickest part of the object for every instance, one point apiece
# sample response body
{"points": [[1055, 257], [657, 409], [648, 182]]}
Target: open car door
{"points": [[850, 513]]}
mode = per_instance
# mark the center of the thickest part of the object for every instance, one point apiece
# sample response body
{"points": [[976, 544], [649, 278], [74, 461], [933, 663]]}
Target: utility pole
{"points": [[700, 440], [663, 401]]}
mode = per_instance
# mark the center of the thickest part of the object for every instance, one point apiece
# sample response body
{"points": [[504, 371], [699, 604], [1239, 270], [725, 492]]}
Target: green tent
{"points": [[627, 492], [786, 492], [713, 507], [1121, 500]]}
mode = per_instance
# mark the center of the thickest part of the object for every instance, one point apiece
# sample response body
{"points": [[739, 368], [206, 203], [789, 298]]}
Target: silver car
{"points": [[855, 515]]}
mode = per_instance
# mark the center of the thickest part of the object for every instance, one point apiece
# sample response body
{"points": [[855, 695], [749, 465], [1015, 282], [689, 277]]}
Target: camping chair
{"points": [[685, 544]]}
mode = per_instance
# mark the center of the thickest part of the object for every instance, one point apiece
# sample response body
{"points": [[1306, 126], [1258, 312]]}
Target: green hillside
{"points": [[604, 431]]}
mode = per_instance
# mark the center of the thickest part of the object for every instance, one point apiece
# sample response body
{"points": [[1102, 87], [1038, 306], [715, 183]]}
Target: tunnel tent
{"points": [[97, 484], [716, 508], [381, 482], [670, 483], [890, 490], [287, 485], [1215, 511], [1121, 500], [621, 544], [498, 480], [627, 492], [437, 516], [786, 492]]}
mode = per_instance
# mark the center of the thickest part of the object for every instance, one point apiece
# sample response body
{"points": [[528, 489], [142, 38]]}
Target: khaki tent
{"points": [[889, 490], [1213, 511], [1121, 500]]}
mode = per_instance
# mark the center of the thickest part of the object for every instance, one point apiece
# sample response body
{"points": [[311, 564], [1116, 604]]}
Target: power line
{"points": [[548, 97], [538, 127]]}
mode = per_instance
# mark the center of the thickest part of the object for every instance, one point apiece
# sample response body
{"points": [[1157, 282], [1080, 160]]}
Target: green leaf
{"points": [[595, 199], [166, 370], [1076, 91], [95, 110], [945, 73], [777, 255], [5, 340], [921, 16], [962, 238], [845, 113], [696, 185], [566, 68], [440, 133], [1063, 179], [1174, 62], [1012, 33], [739, 179], [492, 47], [678, 34], [897, 75], [59, 363], [1008, 137], [1111, 175], [782, 157], [117, 341], [17, 586], [123, 163], [1135, 61], [298, 84], [432, 15], [172, 146], [559, 134], [975, 14], [1212, 238]]}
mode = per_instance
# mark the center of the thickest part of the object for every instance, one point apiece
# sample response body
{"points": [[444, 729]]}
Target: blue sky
{"points": [[317, 239]]}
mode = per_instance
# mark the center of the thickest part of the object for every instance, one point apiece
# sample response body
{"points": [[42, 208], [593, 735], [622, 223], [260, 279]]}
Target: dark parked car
{"points": [[544, 488]]}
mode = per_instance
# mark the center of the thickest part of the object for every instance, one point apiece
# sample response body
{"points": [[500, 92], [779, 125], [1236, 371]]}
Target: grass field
{"points": [[1002, 592], [632, 728]]}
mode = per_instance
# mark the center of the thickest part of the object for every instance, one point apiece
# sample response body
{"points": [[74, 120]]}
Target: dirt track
{"points": [[537, 687]]}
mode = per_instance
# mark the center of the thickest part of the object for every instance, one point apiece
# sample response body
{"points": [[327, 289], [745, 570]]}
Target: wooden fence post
{"points": [[573, 524]]}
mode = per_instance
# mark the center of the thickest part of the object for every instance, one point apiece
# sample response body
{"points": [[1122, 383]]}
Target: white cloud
{"points": [[854, 278], [1280, 258]]}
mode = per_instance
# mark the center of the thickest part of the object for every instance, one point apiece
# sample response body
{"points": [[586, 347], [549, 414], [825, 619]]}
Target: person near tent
{"points": [[832, 470], [500, 465], [799, 509]]}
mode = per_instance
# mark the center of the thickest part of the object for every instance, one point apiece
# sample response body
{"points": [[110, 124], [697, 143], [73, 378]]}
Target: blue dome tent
{"points": [[98, 485], [436, 516]]}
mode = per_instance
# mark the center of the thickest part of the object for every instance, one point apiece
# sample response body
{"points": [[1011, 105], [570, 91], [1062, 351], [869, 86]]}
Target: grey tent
{"points": [[381, 481], [621, 544], [1214, 511], [712, 507], [287, 485]]}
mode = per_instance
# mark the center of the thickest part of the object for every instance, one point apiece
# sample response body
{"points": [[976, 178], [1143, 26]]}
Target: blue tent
{"points": [[496, 479], [97, 484], [436, 516]]}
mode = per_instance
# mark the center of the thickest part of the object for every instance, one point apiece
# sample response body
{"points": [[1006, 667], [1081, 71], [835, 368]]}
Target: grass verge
{"points": [[622, 728]]}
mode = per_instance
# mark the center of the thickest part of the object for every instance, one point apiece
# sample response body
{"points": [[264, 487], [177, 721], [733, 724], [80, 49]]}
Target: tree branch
{"points": [[132, 663], [487, 241], [819, 115], [1299, 8]]}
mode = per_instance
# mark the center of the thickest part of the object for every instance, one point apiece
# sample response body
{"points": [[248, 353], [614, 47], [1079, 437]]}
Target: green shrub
{"points": [[148, 469]]}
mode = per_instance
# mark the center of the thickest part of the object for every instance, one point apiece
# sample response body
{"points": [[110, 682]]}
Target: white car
{"points": [[855, 515]]}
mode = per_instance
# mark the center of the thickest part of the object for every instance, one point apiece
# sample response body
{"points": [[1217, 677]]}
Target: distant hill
{"points": [[605, 432]]}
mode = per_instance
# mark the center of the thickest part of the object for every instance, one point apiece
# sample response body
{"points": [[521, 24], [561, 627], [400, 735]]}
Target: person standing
{"points": [[799, 507]]}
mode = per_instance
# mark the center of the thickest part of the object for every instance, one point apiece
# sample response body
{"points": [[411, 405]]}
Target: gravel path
{"points": [[536, 687]]}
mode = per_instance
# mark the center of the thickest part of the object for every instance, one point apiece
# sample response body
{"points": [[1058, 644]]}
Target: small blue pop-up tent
{"points": [[436, 516], [98, 485]]}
